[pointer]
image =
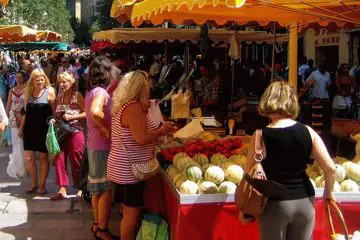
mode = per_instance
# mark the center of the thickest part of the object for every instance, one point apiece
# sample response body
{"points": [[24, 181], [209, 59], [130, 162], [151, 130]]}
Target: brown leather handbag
{"points": [[248, 200]]}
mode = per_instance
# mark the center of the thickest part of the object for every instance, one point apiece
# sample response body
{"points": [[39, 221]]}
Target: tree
{"points": [[41, 14], [102, 19]]}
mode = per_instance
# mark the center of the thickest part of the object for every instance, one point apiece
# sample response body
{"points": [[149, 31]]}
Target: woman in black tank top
{"points": [[289, 147]]}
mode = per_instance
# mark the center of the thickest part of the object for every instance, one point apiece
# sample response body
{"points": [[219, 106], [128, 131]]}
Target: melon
{"points": [[208, 187], [179, 179], [318, 181], [340, 173], [336, 187], [340, 160], [201, 159], [182, 163], [217, 159], [189, 188], [215, 174], [225, 165], [171, 171], [206, 166], [238, 160], [179, 155], [312, 173], [193, 173], [352, 170], [227, 187], [349, 186], [234, 173]]}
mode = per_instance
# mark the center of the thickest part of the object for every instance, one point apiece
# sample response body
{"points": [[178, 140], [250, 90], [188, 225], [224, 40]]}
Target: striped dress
{"points": [[119, 166]]}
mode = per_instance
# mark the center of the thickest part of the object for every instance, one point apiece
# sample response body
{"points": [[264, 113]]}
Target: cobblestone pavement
{"points": [[31, 217]]}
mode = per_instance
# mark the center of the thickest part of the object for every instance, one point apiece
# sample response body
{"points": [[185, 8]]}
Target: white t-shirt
{"points": [[320, 87]]}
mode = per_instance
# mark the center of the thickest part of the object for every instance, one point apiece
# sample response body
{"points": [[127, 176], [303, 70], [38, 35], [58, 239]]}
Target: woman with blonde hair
{"points": [[289, 147], [39, 105], [132, 137], [70, 107]]}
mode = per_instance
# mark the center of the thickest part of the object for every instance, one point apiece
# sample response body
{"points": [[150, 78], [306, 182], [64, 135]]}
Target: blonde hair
{"points": [[132, 87], [69, 77], [279, 99], [34, 74]]}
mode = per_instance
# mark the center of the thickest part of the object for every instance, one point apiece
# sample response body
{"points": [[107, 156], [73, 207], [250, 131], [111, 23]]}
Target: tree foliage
{"points": [[40, 14], [102, 18]]}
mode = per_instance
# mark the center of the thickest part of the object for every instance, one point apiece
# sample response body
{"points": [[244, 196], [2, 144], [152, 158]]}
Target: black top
{"points": [[288, 152]]}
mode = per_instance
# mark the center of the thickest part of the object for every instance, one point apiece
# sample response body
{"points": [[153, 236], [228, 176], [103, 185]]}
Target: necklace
{"points": [[41, 93]]}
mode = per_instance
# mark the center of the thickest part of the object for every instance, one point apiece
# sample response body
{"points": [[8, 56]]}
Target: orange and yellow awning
{"points": [[222, 11], [19, 33]]}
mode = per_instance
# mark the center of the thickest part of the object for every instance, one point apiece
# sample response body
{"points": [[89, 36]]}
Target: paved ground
{"points": [[30, 217]]}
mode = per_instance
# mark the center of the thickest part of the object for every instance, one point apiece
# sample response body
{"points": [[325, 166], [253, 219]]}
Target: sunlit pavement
{"points": [[27, 216]]}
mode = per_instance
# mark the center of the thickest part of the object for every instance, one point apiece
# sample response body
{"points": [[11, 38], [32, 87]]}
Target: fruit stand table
{"points": [[214, 216]]}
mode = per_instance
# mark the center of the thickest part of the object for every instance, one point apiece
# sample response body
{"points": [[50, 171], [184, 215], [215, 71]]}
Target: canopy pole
{"points": [[273, 54], [293, 55], [232, 85]]}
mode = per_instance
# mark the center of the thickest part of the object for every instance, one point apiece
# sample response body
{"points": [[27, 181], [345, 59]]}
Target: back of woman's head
{"points": [[133, 87], [99, 72], [279, 99]]}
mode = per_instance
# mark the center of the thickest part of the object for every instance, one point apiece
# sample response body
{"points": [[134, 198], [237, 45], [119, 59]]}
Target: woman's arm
{"points": [[321, 155], [250, 162], [3, 117], [9, 102], [97, 114], [135, 117], [52, 98]]}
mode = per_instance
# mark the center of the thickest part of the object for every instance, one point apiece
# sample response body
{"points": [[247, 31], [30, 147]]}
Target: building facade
{"points": [[74, 7], [88, 10]]}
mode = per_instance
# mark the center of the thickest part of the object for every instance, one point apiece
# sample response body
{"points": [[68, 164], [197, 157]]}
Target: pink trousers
{"points": [[73, 150]]}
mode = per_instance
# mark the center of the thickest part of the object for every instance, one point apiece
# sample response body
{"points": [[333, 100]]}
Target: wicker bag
{"points": [[142, 171]]}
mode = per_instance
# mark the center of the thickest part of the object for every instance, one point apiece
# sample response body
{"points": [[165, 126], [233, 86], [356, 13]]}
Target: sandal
{"points": [[42, 193], [105, 230], [58, 196], [31, 190], [94, 227]]}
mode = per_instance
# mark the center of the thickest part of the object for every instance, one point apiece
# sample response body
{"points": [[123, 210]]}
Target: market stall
{"points": [[213, 216], [36, 46]]}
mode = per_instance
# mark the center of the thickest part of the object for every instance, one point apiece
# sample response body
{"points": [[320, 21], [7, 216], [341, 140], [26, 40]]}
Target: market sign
{"points": [[326, 38]]}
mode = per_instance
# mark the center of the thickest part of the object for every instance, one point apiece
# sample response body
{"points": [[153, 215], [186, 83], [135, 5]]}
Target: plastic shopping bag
{"points": [[52, 144], [153, 227], [16, 166]]}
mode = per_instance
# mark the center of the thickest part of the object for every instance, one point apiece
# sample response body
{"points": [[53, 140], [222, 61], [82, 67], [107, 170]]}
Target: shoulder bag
{"points": [[249, 201], [142, 171]]}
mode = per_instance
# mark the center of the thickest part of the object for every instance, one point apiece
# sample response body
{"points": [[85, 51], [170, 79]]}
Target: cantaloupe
{"points": [[215, 174], [352, 170], [340, 173], [336, 187], [239, 160], [189, 188], [193, 173], [205, 167], [207, 187], [171, 171], [179, 155], [234, 173], [217, 159], [183, 162], [349, 186], [201, 159], [227, 187]]}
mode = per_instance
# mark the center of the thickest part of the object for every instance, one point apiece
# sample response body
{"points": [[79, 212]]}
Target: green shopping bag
{"points": [[153, 227], [52, 144]]}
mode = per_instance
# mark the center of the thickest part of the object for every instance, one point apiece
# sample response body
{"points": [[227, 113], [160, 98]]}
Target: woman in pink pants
{"points": [[70, 107]]}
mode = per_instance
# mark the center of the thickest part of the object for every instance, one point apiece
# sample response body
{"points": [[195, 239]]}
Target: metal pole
{"points": [[232, 85], [293, 52], [273, 53]]}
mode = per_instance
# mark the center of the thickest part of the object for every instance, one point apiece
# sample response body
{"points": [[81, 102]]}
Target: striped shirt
{"points": [[119, 165]]}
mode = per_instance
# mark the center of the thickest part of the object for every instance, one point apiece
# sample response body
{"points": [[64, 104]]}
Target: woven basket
{"points": [[334, 235]]}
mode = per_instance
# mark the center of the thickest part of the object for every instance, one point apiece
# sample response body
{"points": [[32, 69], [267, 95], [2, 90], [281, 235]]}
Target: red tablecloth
{"points": [[219, 221]]}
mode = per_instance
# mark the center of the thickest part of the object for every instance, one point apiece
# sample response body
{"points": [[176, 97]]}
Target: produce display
{"points": [[201, 166], [347, 175]]}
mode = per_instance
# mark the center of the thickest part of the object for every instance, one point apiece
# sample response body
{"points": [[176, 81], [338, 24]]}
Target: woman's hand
{"points": [[67, 117], [52, 121], [20, 133], [168, 128], [105, 134], [329, 196]]}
